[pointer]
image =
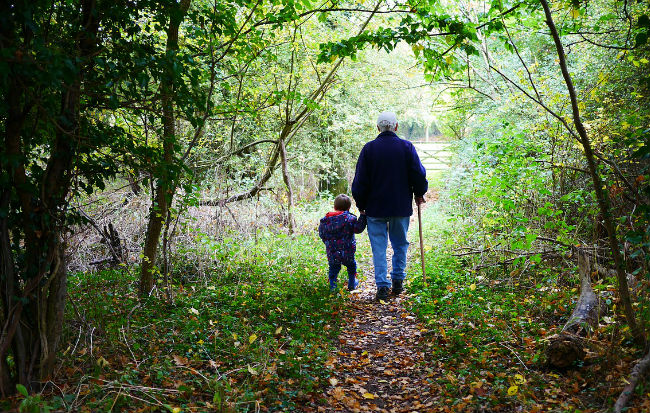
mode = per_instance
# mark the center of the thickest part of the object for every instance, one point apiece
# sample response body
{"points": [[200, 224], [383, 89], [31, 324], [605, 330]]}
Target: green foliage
{"points": [[487, 331], [257, 329]]}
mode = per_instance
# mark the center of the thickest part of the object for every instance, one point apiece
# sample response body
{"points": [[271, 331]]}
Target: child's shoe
{"points": [[352, 287], [333, 286]]}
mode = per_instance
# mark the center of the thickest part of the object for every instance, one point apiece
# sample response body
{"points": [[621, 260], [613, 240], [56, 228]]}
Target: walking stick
{"points": [[424, 275]]}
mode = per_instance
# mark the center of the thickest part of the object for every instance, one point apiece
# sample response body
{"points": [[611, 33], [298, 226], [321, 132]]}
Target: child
{"points": [[337, 231]]}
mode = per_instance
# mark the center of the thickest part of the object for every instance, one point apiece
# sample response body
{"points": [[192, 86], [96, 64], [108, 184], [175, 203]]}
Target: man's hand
{"points": [[419, 200]]}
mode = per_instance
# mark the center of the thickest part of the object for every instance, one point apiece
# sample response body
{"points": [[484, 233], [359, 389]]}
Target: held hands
{"points": [[419, 200]]}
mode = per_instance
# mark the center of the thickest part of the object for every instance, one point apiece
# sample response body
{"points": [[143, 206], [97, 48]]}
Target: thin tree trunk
{"points": [[287, 182], [602, 197], [8, 287], [165, 188]]}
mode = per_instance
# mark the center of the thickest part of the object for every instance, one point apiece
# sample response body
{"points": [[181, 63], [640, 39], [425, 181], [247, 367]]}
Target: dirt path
{"points": [[379, 364]]}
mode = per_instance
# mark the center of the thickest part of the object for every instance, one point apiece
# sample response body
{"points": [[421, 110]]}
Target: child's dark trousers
{"points": [[335, 267]]}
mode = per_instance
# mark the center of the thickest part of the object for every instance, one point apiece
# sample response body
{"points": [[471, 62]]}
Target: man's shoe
{"points": [[382, 293], [397, 287]]}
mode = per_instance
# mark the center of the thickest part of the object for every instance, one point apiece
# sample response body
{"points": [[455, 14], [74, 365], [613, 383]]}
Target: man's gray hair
{"points": [[386, 121]]}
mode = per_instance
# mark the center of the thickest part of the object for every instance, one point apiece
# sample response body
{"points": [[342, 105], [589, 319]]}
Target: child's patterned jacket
{"points": [[337, 231]]}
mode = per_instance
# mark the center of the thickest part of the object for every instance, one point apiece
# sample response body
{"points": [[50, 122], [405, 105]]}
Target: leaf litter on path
{"points": [[378, 364]]}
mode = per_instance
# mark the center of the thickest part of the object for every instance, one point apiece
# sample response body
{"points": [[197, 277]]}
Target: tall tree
{"points": [[50, 53], [164, 190]]}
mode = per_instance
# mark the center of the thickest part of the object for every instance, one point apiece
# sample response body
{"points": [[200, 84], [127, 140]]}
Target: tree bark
{"points": [[639, 371], [165, 188], [287, 182], [34, 285], [567, 347], [601, 195]]}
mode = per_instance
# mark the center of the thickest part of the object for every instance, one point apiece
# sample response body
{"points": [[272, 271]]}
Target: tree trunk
{"points": [[601, 195], [34, 277], [287, 182], [567, 347], [165, 188]]}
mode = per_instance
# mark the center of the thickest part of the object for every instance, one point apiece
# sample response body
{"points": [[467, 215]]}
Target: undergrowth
{"points": [[488, 331], [252, 335]]}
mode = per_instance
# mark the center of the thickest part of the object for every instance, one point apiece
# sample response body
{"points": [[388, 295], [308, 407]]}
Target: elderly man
{"points": [[388, 174]]}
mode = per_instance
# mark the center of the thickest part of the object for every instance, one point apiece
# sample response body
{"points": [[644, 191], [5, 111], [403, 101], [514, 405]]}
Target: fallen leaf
{"points": [[180, 360], [338, 393], [102, 362]]}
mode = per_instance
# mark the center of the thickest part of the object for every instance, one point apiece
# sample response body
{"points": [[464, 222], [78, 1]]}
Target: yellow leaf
{"points": [[365, 353], [333, 381], [575, 13], [519, 379], [252, 338], [278, 330], [512, 390], [234, 336], [176, 410], [368, 395], [102, 362], [472, 287], [383, 302]]}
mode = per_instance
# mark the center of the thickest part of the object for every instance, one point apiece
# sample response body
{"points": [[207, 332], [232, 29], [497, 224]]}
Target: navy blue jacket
{"points": [[389, 173], [337, 231]]}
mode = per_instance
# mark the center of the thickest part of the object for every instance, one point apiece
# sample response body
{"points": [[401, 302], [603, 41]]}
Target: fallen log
{"points": [[568, 346], [638, 372]]}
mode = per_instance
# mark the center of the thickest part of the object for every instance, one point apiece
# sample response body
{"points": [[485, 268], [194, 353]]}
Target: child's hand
{"points": [[362, 212]]}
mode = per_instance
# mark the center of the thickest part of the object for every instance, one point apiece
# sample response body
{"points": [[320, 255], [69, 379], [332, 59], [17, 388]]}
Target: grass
{"points": [[254, 334]]}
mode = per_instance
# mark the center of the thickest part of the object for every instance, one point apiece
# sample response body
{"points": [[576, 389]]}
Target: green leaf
{"points": [[22, 390]]}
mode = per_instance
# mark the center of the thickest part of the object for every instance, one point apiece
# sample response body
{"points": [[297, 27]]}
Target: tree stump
{"points": [[568, 346]]}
